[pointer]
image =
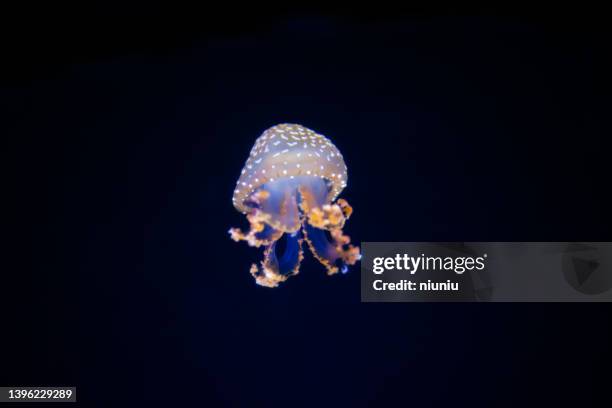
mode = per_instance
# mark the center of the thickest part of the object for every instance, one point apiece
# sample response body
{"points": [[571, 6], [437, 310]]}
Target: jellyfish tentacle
{"points": [[260, 233], [347, 210], [328, 216], [318, 210], [275, 270], [331, 252]]}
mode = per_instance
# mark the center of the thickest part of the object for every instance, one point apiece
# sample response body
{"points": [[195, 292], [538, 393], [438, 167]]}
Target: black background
{"points": [[125, 129]]}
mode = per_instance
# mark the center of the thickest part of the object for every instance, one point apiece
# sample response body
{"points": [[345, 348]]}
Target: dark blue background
{"points": [[123, 161]]}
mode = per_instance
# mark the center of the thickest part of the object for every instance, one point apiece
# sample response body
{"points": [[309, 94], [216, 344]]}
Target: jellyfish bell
{"points": [[287, 190]]}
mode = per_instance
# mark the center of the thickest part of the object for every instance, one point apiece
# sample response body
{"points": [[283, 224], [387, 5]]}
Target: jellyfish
{"points": [[287, 190]]}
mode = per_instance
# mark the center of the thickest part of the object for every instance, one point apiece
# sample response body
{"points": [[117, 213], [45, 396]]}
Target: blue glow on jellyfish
{"points": [[287, 190]]}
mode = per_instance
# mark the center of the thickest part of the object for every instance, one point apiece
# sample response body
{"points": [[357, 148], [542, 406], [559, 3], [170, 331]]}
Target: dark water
{"points": [[126, 285]]}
